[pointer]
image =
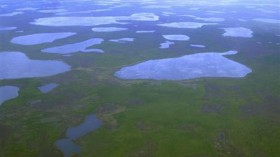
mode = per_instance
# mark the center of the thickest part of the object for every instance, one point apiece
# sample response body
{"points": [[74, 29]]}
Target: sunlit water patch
{"points": [[158, 6], [76, 21], [3, 6], [40, 38], [166, 45], [197, 46], [93, 51], [48, 87], [27, 9], [7, 28], [216, 12], [238, 32], [191, 25], [193, 66], [8, 93], [176, 37], [53, 11], [94, 21], [108, 29], [145, 32], [15, 65], [211, 19], [142, 17], [122, 40], [76, 47], [83, 12], [166, 13], [272, 21], [208, 19], [11, 14]]}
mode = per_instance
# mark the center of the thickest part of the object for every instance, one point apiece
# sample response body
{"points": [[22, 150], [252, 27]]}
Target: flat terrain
{"points": [[200, 117]]}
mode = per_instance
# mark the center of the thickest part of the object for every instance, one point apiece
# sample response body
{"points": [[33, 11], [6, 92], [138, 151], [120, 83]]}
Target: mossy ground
{"points": [[149, 118]]}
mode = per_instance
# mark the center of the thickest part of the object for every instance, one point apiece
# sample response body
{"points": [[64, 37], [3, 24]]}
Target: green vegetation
{"points": [[150, 118], [211, 117]]}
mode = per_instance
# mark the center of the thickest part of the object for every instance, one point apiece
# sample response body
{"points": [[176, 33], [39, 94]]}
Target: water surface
{"points": [[40, 38], [75, 47], [16, 65], [190, 25], [238, 32], [8, 93], [94, 20], [122, 40], [2, 28], [48, 87], [266, 20], [199, 65], [198, 46], [178, 37], [108, 29], [166, 45], [67, 145]]}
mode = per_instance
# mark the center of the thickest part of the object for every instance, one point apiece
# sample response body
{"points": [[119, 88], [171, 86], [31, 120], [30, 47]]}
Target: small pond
{"points": [[67, 145], [8, 93], [48, 87]]}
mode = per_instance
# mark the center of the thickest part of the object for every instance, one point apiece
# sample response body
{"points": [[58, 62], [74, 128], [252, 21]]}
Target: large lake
{"points": [[211, 64], [16, 65]]}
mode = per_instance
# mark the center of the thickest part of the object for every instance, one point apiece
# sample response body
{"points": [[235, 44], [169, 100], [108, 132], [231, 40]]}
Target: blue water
{"points": [[74, 47], [48, 87], [90, 123], [40, 38], [67, 145], [16, 65], [8, 93], [186, 67]]}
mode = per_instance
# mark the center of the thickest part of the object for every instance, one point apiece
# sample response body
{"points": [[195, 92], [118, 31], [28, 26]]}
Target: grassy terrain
{"points": [[203, 117], [210, 117]]}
